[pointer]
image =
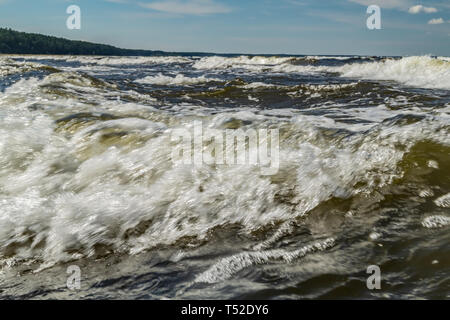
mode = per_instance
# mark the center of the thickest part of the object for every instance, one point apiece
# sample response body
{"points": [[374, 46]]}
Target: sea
{"points": [[93, 205]]}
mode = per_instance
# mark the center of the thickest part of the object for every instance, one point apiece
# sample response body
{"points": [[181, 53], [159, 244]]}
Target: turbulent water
{"points": [[87, 178]]}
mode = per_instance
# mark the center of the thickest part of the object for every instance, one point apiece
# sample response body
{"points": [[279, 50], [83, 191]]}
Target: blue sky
{"points": [[409, 27]]}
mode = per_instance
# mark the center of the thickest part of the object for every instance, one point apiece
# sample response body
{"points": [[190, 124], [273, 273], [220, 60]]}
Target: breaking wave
{"points": [[179, 79], [227, 267], [112, 60], [433, 222], [422, 72], [416, 71], [86, 168], [217, 62]]}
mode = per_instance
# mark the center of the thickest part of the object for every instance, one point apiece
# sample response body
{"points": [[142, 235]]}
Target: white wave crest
{"points": [[9, 66], [130, 60], [110, 60], [227, 267], [433, 222], [423, 72], [217, 62], [415, 71], [179, 79], [443, 201]]}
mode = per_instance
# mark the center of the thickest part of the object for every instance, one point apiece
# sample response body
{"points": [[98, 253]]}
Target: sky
{"points": [[312, 27]]}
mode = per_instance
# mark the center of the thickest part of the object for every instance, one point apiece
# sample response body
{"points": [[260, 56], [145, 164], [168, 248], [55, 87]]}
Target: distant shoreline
{"points": [[15, 42], [22, 43]]}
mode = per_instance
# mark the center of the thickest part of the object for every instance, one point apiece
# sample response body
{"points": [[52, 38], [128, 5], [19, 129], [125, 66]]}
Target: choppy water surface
{"points": [[86, 178]]}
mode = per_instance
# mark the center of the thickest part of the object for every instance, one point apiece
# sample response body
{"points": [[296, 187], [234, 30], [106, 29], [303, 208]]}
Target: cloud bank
{"points": [[191, 7], [420, 8], [436, 21], [388, 4]]}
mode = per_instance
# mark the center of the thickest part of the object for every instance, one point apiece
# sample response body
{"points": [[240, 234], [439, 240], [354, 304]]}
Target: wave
{"points": [[333, 58], [111, 60], [259, 85], [434, 222], [130, 60], [443, 201], [227, 267], [217, 62], [268, 64], [107, 186], [9, 67], [416, 71], [85, 174], [179, 79], [422, 72]]}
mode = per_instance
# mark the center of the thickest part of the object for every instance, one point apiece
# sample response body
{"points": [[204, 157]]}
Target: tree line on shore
{"points": [[15, 42]]}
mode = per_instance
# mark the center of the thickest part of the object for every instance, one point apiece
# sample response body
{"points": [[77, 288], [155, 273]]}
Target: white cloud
{"points": [[436, 21], [388, 4], [193, 7], [420, 8], [117, 1]]}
